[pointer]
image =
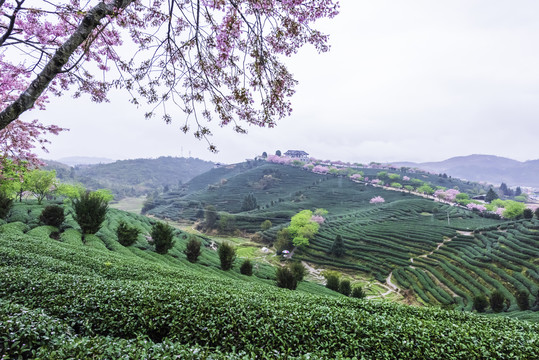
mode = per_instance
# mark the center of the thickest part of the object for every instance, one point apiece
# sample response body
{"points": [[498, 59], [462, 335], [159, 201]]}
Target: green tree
{"points": [[246, 268], [192, 249], [491, 196], [496, 301], [337, 248], [302, 228], [266, 224], [249, 202], [518, 191], [298, 270], [527, 213], [227, 223], [332, 282], [6, 202], [210, 216], [357, 292], [513, 209], [90, 212], [283, 242], [163, 237], [70, 191], [40, 183], [523, 300], [127, 235], [227, 255], [285, 278], [278, 153], [344, 287], [425, 189], [480, 303], [52, 215]]}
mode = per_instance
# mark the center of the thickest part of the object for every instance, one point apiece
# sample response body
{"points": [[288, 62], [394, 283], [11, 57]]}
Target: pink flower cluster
{"points": [[472, 206], [319, 169], [355, 177], [447, 195], [405, 178], [377, 200], [376, 181], [318, 219], [279, 159]]}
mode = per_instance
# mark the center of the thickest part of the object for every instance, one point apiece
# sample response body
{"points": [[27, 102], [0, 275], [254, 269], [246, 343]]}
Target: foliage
{"points": [[249, 203], [357, 292], [227, 255], [332, 282], [527, 213], [40, 183], [337, 248], [5, 204], [210, 216], [298, 270], [278, 153], [302, 228], [425, 189], [127, 235], [284, 241], [480, 303], [52, 215], [513, 209], [227, 223], [523, 300], [163, 237], [536, 212], [51, 47], [496, 301], [344, 287], [491, 196], [285, 278], [246, 268], [192, 249], [266, 224], [70, 191], [90, 211]]}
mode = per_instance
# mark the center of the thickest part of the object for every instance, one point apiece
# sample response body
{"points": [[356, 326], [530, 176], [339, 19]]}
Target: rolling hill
{"points": [[493, 169], [64, 299]]}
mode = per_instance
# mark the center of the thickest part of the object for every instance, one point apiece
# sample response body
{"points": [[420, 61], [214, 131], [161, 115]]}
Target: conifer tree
{"points": [[491, 196], [337, 248]]}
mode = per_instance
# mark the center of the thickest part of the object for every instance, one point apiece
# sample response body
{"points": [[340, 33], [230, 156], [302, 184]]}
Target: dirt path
{"points": [[316, 274]]}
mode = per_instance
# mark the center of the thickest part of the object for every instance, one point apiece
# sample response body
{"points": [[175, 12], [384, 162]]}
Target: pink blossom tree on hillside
{"points": [[214, 59], [377, 200]]}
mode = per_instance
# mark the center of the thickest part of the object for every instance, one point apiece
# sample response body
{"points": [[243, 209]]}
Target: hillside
{"points": [[493, 169], [63, 299], [133, 177]]}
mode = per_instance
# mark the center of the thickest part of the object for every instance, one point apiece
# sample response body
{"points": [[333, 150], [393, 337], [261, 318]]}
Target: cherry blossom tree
{"points": [[478, 207], [213, 59], [377, 200]]}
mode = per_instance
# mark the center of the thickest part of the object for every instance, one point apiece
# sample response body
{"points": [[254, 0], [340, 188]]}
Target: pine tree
{"points": [[337, 248], [491, 196], [249, 203]]}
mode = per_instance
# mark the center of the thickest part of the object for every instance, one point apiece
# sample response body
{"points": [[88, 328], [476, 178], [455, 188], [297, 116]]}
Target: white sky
{"points": [[406, 80]]}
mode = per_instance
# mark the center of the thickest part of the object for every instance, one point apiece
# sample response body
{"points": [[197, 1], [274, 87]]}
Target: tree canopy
{"points": [[214, 59]]}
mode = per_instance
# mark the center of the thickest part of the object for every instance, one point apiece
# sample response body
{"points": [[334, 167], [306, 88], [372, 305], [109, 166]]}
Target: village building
{"points": [[297, 154]]}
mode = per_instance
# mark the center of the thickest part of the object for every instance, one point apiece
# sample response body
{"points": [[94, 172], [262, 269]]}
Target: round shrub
{"points": [[127, 235], [332, 282], [357, 292], [345, 288], [246, 268], [480, 303], [298, 270], [90, 211], [162, 235], [52, 215], [286, 279]]}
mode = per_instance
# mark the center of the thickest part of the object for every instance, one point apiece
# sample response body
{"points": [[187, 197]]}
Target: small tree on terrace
{"points": [[227, 255], [52, 215], [480, 303], [246, 268], [192, 250], [496, 301], [90, 212], [278, 153], [332, 282], [127, 235], [40, 183], [285, 278], [527, 213], [249, 202], [266, 224], [163, 237], [337, 248], [523, 300], [210, 216], [491, 196], [345, 288]]}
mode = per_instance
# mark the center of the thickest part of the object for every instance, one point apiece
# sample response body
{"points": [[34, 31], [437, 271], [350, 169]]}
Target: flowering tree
{"points": [[377, 200], [478, 207], [211, 58], [285, 160], [355, 177], [319, 169], [447, 195]]}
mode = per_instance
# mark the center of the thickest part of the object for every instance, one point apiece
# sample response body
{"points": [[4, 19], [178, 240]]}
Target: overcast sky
{"points": [[405, 80]]}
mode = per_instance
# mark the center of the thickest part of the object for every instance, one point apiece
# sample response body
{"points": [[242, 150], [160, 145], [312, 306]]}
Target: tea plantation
{"points": [[65, 299]]}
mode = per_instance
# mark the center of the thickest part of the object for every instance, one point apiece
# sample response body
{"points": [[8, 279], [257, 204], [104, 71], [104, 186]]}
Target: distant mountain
{"points": [[133, 177], [490, 168], [84, 160]]}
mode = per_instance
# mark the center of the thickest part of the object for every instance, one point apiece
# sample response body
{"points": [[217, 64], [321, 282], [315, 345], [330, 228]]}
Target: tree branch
{"points": [[60, 58]]}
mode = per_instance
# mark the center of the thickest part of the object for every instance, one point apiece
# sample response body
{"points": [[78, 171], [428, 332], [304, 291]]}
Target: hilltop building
{"points": [[297, 154]]}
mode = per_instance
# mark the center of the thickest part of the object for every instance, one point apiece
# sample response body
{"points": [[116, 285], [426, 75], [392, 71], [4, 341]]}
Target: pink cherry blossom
{"points": [[377, 200]]}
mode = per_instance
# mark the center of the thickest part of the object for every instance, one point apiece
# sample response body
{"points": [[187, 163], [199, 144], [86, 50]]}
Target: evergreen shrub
{"points": [[52, 215], [127, 235]]}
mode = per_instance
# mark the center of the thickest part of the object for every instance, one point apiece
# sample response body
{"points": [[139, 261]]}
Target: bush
{"points": [[90, 211], [52, 215], [246, 268], [266, 224], [345, 288], [480, 303], [285, 278], [523, 301], [496, 301], [127, 235], [528, 213], [5, 204], [162, 235], [332, 282], [357, 292], [298, 270], [337, 248], [192, 250], [227, 255]]}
